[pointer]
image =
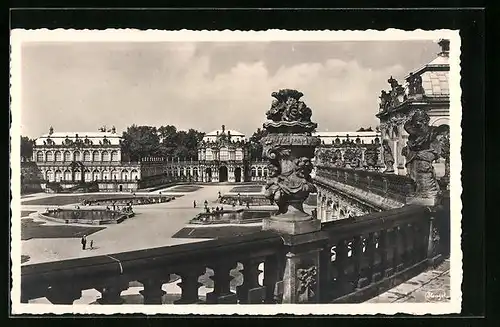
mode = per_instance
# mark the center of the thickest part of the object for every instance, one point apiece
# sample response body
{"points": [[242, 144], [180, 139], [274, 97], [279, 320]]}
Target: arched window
{"points": [[114, 155], [78, 175], [76, 156], [49, 176], [259, 172], [105, 175], [253, 171], [95, 156], [67, 156], [265, 172], [67, 175], [58, 176], [134, 175], [124, 175], [114, 174], [39, 156], [88, 175], [86, 155], [49, 156], [58, 156], [96, 175], [105, 156]]}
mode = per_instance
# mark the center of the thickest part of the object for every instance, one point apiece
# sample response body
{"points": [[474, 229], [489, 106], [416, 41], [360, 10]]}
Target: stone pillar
{"points": [[302, 267], [290, 147]]}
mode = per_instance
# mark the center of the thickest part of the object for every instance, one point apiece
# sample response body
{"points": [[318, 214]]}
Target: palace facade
{"points": [[73, 158]]}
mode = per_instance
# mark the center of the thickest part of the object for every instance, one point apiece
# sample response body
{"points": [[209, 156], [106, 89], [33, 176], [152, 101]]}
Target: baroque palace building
{"points": [[223, 156], [72, 158]]}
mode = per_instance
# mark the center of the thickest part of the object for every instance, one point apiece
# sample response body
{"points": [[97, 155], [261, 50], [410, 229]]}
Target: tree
{"points": [[26, 147], [255, 145], [167, 135], [140, 141]]}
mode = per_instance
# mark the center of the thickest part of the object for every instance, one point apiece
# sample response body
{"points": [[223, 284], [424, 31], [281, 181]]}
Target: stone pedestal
{"points": [[292, 226]]}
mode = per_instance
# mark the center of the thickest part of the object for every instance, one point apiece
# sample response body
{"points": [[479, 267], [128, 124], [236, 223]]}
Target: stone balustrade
{"points": [[396, 187], [360, 257]]}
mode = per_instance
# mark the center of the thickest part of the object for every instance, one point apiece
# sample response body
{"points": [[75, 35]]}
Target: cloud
{"points": [[80, 87]]}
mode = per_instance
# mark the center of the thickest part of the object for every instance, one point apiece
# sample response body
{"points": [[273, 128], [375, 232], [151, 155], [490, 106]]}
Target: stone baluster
{"points": [[251, 291], [398, 263], [63, 295], [111, 293], [222, 289], [152, 292], [189, 285], [384, 250], [370, 253], [357, 257], [272, 276]]}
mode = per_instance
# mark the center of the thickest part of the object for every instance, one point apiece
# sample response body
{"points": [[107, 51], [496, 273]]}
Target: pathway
{"points": [[153, 226], [430, 286]]}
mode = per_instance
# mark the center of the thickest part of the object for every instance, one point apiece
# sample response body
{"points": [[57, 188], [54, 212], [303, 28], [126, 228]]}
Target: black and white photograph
{"points": [[297, 172]]}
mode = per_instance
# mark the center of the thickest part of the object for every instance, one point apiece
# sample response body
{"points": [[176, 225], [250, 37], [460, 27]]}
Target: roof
{"points": [[95, 137], [343, 134], [220, 131], [435, 83]]}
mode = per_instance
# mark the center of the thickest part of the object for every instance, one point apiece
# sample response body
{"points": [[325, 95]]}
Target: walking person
{"points": [[194, 203], [91, 244]]}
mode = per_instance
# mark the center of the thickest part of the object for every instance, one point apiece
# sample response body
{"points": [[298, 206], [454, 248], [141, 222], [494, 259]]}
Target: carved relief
{"points": [[415, 85], [307, 281]]}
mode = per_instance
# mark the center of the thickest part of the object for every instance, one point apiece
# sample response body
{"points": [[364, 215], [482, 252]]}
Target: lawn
{"points": [[26, 213], [31, 229], [60, 200], [247, 189], [184, 188]]}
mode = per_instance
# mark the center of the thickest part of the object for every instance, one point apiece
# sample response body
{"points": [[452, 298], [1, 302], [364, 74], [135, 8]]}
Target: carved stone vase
{"points": [[290, 147]]}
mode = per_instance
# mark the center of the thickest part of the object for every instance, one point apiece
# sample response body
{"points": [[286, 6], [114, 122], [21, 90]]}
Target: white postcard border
{"points": [[18, 37]]}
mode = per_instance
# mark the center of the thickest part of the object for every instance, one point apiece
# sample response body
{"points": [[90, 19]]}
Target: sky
{"points": [[79, 87]]}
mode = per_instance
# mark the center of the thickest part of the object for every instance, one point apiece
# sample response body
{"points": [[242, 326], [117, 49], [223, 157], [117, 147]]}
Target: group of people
{"points": [[84, 243]]}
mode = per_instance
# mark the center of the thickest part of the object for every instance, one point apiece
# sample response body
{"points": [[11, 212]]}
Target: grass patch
{"points": [[183, 188], [70, 199], [31, 229], [247, 189], [26, 213]]}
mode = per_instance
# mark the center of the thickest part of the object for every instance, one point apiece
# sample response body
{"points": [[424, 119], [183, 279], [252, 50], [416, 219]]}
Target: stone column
{"points": [[290, 147]]}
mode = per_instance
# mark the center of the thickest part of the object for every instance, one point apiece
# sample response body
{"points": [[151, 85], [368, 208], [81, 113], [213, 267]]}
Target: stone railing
{"points": [[392, 186], [358, 258]]}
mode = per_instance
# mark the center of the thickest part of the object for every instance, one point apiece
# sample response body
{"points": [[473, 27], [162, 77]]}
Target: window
{"points": [[105, 156], [39, 156], [114, 155], [124, 175], [49, 156], [58, 156], [86, 156], [253, 171], [95, 156], [76, 156], [67, 156]]}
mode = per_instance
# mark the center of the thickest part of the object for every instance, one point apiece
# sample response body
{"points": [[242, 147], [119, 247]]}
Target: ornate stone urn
{"points": [[289, 146]]}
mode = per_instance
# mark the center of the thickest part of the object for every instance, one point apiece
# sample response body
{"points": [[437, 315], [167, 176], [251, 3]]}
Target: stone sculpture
{"points": [[371, 157], [425, 145], [415, 85], [388, 157], [289, 146]]}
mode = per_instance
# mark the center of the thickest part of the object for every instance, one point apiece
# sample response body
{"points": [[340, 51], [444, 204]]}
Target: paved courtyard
{"points": [[432, 285], [153, 226]]}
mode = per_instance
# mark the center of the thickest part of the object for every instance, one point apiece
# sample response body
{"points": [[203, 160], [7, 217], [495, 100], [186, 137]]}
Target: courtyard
{"points": [[154, 225]]}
